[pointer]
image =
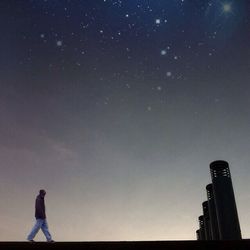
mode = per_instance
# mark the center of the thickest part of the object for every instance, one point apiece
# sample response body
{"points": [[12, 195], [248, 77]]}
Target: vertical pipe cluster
{"points": [[206, 220], [220, 218], [212, 213], [202, 228]]}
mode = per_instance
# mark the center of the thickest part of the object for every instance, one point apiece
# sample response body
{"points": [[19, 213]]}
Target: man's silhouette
{"points": [[41, 222]]}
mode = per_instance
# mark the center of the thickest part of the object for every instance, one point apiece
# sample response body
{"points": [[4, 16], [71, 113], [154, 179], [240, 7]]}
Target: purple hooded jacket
{"points": [[40, 208]]}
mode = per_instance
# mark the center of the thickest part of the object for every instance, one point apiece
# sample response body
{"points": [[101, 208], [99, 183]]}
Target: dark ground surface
{"points": [[145, 245]]}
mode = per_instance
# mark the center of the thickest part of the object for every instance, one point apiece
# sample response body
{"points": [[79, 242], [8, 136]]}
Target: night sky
{"points": [[116, 108]]}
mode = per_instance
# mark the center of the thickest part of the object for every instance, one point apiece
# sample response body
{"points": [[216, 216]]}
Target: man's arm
{"points": [[40, 209]]}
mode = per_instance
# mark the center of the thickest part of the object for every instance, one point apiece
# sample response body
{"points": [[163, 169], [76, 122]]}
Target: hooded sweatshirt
{"points": [[40, 208]]}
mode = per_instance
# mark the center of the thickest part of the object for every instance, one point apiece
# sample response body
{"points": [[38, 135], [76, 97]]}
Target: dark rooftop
{"points": [[145, 245]]}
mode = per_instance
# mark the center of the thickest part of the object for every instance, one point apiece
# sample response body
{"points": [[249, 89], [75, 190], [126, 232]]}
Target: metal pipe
{"points": [[212, 213], [206, 220], [226, 210], [202, 228]]}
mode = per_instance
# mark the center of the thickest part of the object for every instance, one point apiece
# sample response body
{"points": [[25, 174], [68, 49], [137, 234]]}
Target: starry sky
{"points": [[116, 108]]}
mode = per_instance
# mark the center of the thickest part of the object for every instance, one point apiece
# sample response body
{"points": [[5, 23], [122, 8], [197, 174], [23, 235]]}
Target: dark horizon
{"points": [[154, 245]]}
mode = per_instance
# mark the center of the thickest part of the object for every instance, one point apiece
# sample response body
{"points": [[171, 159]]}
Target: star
{"points": [[158, 21], [169, 74], [163, 52], [149, 108], [59, 43], [227, 7]]}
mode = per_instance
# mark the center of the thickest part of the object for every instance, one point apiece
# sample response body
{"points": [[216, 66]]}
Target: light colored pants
{"points": [[40, 224]]}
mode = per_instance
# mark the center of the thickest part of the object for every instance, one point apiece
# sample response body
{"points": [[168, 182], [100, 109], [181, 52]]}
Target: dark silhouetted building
{"points": [[206, 220], [227, 216], [198, 235], [202, 228], [212, 213]]}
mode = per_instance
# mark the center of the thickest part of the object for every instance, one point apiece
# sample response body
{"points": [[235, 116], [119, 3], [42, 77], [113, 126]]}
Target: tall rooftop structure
{"points": [[212, 213], [206, 220], [202, 235], [227, 215], [220, 217]]}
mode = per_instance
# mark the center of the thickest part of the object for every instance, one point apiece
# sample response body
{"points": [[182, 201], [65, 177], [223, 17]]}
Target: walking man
{"points": [[41, 222]]}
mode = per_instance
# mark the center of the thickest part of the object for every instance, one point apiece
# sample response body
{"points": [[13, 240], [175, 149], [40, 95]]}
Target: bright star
{"points": [[227, 7], [163, 52], [158, 21]]}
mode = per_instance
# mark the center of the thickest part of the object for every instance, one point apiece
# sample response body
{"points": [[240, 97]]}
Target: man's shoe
{"points": [[51, 241], [31, 241]]}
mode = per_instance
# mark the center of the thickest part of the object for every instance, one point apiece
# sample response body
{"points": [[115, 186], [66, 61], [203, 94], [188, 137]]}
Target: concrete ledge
{"points": [[131, 245]]}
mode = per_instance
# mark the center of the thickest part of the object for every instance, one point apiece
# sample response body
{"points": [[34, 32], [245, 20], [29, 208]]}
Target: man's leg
{"points": [[45, 229], [35, 229]]}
